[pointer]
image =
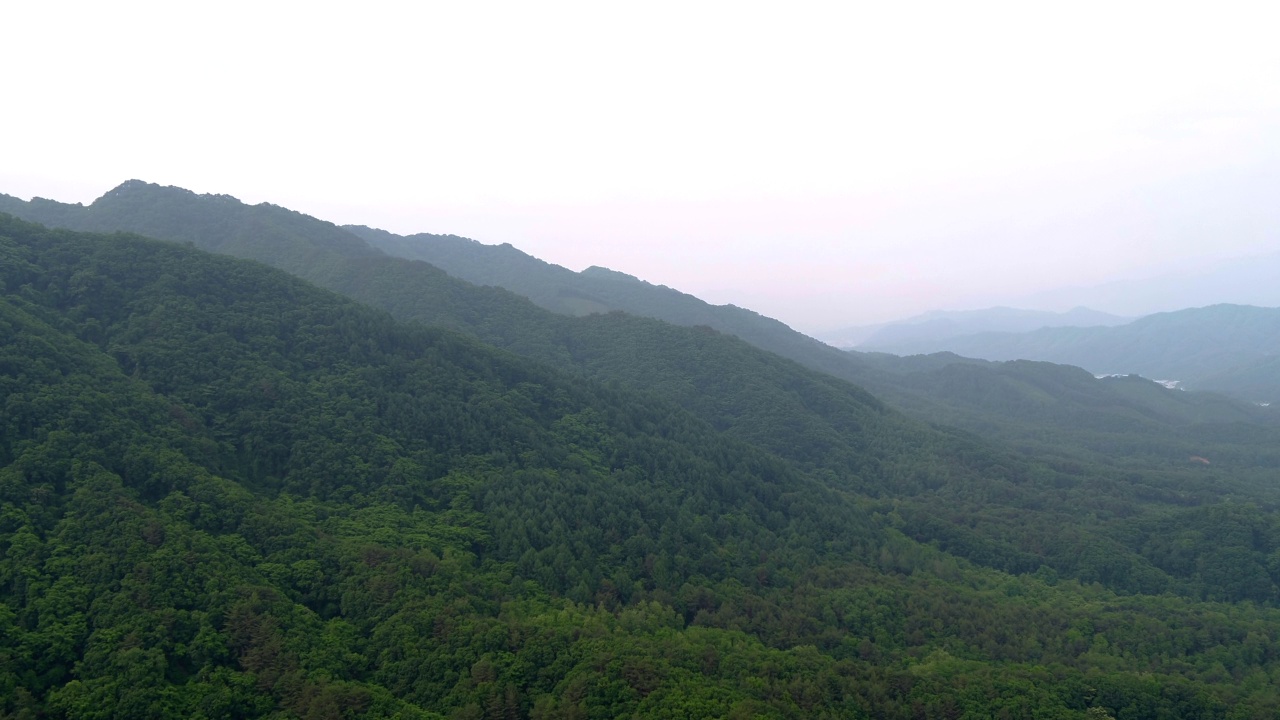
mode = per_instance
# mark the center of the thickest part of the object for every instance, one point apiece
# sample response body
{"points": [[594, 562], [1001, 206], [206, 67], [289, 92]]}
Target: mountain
{"points": [[268, 233], [1227, 348], [932, 328], [924, 391], [749, 401], [594, 290], [751, 395], [807, 417], [249, 494], [1251, 280], [600, 290], [225, 492], [739, 389]]}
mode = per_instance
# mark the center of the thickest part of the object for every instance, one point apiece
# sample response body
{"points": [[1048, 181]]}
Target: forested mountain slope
{"points": [[594, 290], [226, 493], [420, 291], [218, 223], [1099, 454], [738, 389], [1229, 348], [598, 290], [1045, 406]]}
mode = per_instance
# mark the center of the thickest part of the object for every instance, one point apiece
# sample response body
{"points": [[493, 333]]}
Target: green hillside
{"points": [[1093, 454], [1042, 406], [594, 290], [226, 493], [1229, 354], [416, 290], [600, 290]]}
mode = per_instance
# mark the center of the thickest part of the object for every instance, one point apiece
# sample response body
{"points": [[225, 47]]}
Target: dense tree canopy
{"points": [[227, 493]]}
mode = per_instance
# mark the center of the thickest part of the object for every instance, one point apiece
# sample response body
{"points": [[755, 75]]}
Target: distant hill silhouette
{"points": [[939, 325], [1233, 349], [1253, 280]]}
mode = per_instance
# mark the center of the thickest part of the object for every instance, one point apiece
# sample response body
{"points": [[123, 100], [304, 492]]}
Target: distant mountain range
{"points": [[1234, 349], [940, 325], [1253, 280]]}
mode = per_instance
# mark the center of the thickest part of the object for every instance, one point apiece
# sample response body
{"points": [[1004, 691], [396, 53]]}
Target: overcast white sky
{"points": [[824, 163]]}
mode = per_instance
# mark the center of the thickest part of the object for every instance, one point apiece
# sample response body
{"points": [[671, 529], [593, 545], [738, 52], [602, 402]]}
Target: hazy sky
{"points": [[827, 163]]}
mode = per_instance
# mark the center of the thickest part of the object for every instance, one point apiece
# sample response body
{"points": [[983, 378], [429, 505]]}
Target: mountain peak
{"points": [[135, 188], [141, 189], [131, 185]]}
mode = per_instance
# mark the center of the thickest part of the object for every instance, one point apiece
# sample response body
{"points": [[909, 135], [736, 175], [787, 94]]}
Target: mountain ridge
{"points": [[562, 290]]}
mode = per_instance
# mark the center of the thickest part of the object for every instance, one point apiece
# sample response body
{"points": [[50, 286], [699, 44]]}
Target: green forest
{"points": [[227, 492]]}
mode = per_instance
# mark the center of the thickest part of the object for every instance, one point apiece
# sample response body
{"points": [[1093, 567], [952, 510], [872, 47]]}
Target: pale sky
{"points": [[827, 164]]}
